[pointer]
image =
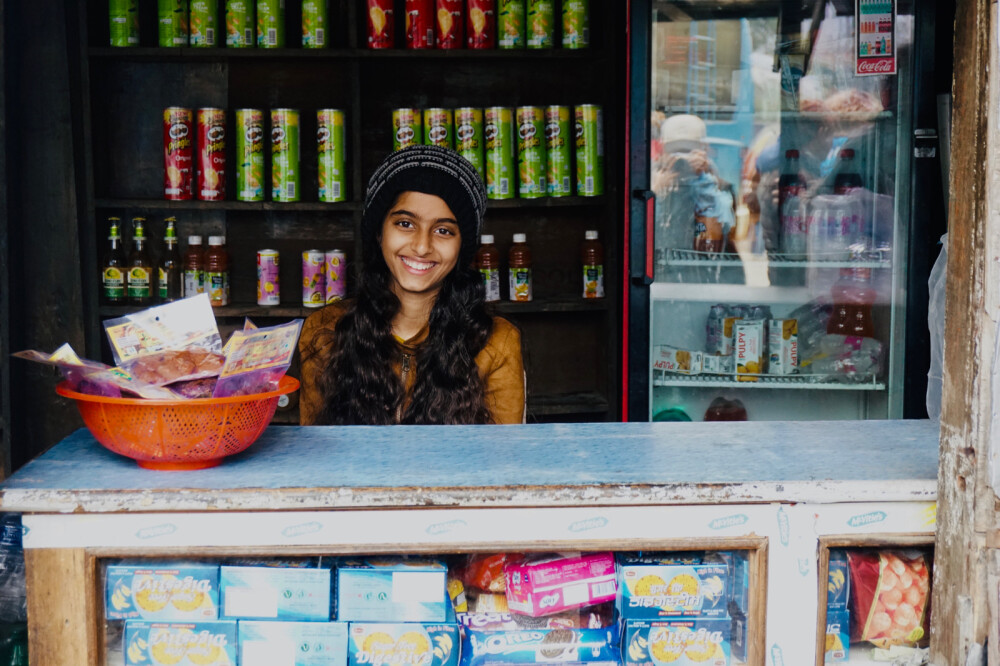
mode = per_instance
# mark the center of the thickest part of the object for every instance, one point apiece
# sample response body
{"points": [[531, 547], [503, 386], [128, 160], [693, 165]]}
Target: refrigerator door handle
{"points": [[643, 270]]}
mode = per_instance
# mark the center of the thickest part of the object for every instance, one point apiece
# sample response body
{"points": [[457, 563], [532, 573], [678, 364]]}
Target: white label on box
{"points": [[248, 602], [417, 587], [576, 594], [268, 653]]}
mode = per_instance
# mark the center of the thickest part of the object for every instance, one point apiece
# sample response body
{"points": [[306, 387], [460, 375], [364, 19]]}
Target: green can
{"points": [[314, 19], [331, 149], [250, 155], [469, 136], [575, 24], [558, 151], [241, 23], [407, 128], [530, 152], [123, 17], [173, 22], [511, 24], [589, 150], [204, 22], [271, 24], [498, 133], [286, 177], [541, 24], [439, 128]]}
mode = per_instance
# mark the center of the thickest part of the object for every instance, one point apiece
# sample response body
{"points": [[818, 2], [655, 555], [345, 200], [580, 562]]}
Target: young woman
{"points": [[417, 345]]}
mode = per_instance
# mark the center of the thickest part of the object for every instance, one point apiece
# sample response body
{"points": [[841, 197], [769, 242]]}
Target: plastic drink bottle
{"points": [[519, 269], [194, 268], [592, 257], [791, 187], [217, 271], [488, 265]]}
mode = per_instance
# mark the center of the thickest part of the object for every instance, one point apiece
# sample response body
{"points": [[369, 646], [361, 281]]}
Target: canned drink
{"points": [[541, 24], [510, 24], [313, 279], [498, 134], [211, 154], [268, 286], [381, 25], [173, 22], [123, 19], [450, 24], [575, 24], [249, 154], [330, 148], [407, 128], [285, 174], [531, 152], [559, 172], [481, 24], [589, 150], [469, 136], [241, 23], [271, 24], [336, 277], [420, 24], [439, 128], [178, 153], [314, 24], [204, 22]]}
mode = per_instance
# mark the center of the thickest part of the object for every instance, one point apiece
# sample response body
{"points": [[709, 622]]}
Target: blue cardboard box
{"points": [[680, 642], [162, 592], [211, 643], [650, 590], [417, 643], [393, 590], [275, 593], [293, 643]]}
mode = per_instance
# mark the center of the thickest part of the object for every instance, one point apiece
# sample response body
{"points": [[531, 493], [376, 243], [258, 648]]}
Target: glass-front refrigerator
{"points": [[774, 150]]}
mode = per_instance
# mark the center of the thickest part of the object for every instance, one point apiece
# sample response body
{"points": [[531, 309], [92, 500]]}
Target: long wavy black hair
{"points": [[360, 384]]}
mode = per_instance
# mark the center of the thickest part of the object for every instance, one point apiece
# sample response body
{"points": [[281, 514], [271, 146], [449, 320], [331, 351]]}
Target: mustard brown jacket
{"points": [[500, 365]]}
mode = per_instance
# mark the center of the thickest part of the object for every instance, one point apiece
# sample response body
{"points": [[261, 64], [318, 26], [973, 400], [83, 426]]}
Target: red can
{"points": [[420, 24], [481, 24], [178, 151], [450, 24], [211, 154], [381, 24]]}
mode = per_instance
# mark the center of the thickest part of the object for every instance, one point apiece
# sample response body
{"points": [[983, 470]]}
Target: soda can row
{"points": [[324, 279]]}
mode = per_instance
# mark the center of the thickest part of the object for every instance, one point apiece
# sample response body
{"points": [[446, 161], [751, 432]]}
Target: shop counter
{"points": [[782, 491]]}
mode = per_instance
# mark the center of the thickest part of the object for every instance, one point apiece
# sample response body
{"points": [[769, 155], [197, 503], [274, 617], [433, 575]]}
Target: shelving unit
{"points": [[770, 382], [679, 257]]}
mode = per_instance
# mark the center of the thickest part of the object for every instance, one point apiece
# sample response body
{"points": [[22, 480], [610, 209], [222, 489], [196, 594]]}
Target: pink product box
{"points": [[559, 583]]}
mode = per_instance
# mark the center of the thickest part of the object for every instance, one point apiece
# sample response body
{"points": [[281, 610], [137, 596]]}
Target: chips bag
{"points": [[93, 378], [257, 359], [485, 571], [890, 593]]}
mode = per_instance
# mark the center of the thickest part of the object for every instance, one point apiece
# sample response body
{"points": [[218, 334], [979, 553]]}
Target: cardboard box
{"points": [[749, 343], [211, 643], [275, 593], [838, 589], [164, 592], [555, 584], [667, 359], [693, 642], [652, 591], [393, 590], [838, 635], [292, 643], [538, 646], [423, 643], [717, 365], [783, 346]]}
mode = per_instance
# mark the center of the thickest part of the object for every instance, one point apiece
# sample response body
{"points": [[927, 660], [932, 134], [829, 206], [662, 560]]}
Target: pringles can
{"points": [[123, 22], [314, 24], [336, 277], [439, 128], [558, 151], [407, 128], [271, 24], [172, 23], [204, 22], [330, 148], [469, 137], [419, 24], [268, 287], [381, 24], [313, 279], [541, 24], [211, 154], [510, 24], [589, 150], [530, 152], [241, 23], [481, 24], [178, 153], [286, 178], [575, 24], [498, 133], [249, 154], [450, 24]]}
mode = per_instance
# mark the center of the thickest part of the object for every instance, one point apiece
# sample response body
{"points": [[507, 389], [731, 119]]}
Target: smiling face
{"points": [[420, 242]]}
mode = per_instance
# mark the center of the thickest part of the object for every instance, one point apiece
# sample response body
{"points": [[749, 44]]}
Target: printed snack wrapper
{"points": [[890, 591], [837, 645], [168, 592], [598, 617], [417, 643], [211, 643], [695, 642], [539, 646], [557, 583], [651, 590], [257, 359], [93, 378]]}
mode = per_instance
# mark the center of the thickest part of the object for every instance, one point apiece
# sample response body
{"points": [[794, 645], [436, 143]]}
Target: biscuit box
{"points": [[393, 590], [538, 646], [650, 590], [402, 643], [838, 588], [275, 593], [165, 592], [738, 582], [211, 643], [554, 584], [838, 635], [695, 642], [292, 643]]}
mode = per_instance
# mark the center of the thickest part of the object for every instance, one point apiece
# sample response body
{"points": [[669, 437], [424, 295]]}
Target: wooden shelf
{"points": [[554, 404], [551, 304], [165, 204], [223, 54]]}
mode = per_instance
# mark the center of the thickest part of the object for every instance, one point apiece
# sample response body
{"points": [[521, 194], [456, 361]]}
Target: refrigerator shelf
{"points": [[680, 257], [768, 382]]}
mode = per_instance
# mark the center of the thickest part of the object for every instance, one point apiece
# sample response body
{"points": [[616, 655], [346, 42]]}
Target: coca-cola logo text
{"points": [[877, 66]]}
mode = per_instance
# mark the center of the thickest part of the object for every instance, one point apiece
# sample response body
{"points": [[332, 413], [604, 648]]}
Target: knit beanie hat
{"points": [[430, 170]]}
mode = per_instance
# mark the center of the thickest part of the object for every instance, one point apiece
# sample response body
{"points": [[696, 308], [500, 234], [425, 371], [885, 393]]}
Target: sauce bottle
{"points": [[217, 271], [194, 268], [140, 266], [113, 266], [519, 269], [592, 256], [488, 265], [170, 265]]}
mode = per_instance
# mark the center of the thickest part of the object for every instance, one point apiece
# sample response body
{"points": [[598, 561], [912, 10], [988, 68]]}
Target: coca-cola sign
{"points": [[876, 66]]}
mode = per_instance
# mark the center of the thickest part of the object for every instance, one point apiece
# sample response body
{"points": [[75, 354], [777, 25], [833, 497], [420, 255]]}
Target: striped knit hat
{"points": [[430, 170]]}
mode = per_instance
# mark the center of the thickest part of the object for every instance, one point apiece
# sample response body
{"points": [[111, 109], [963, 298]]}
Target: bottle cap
{"points": [[194, 240], [216, 240], [791, 153], [847, 153], [487, 239], [520, 238], [590, 234]]}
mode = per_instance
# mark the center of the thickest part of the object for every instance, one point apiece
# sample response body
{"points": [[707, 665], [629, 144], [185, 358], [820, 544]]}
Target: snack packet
{"points": [[257, 359], [890, 591], [574, 646], [485, 571], [93, 378]]}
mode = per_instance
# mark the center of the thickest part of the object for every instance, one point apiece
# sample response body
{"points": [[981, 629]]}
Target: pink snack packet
{"points": [[556, 583]]}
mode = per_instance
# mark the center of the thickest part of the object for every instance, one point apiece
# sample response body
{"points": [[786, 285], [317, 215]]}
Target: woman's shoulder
{"points": [[321, 323], [504, 338]]}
